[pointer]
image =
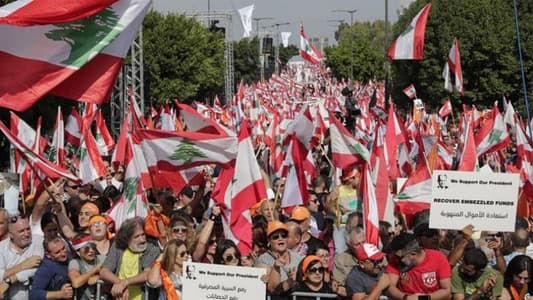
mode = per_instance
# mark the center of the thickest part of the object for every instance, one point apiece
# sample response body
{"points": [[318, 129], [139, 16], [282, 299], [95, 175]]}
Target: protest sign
{"points": [[485, 200], [210, 281]]}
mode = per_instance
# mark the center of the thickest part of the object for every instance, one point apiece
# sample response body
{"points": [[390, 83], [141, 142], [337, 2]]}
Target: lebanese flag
{"points": [[468, 161], [524, 146], [295, 192], [198, 123], [380, 176], [38, 161], [393, 138], [410, 44], [28, 136], [77, 60], [104, 140], [370, 207], [493, 134], [415, 194], [73, 128], [307, 51], [91, 163], [510, 114], [57, 149], [345, 149], [454, 66], [41, 12], [245, 189], [410, 91], [133, 202], [446, 109], [171, 151]]}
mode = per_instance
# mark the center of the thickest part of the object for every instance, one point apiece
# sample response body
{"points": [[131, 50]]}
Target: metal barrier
{"points": [[317, 296]]}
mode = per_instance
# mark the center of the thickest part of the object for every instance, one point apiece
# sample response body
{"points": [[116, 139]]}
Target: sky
{"points": [[314, 14]]}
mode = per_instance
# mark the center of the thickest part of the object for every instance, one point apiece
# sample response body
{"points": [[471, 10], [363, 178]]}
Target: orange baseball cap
{"points": [[308, 260], [275, 226], [300, 213]]}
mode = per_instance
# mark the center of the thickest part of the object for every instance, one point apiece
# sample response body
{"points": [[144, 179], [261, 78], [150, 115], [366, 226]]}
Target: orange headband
{"points": [[91, 207], [307, 262], [96, 219]]}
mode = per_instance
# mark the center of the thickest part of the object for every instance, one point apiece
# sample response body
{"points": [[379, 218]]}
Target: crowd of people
{"points": [[66, 247]]}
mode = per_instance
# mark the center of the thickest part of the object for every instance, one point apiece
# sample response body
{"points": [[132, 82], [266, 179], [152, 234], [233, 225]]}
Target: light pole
{"points": [[351, 12], [260, 52], [278, 42]]}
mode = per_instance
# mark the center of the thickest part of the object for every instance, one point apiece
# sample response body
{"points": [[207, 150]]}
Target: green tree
{"points": [[487, 38], [186, 60], [246, 60], [367, 41]]}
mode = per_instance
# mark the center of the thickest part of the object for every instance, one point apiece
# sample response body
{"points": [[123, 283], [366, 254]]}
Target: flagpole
{"points": [[524, 85]]}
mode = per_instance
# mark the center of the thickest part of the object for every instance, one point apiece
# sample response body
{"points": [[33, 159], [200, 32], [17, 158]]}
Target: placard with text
{"points": [[210, 281], [485, 200]]}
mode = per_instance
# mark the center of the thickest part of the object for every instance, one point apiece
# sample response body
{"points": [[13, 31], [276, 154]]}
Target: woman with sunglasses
{"points": [[280, 261], [83, 271], [227, 253], [310, 277], [517, 283], [167, 270], [204, 246]]}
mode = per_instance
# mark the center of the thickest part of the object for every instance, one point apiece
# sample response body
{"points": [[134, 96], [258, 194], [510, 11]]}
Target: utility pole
{"points": [[351, 12], [260, 50], [278, 43]]}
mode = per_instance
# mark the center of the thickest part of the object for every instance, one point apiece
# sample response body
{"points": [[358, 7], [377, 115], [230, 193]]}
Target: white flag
{"points": [[285, 38], [246, 19]]}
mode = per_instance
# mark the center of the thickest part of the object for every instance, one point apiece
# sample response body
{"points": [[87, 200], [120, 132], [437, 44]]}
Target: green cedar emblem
{"points": [[130, 191], [82, 153], [52, 153], [186, 151], [88, 36]]}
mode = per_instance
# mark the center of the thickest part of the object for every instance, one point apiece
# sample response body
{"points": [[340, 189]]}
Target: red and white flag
{"points": [[133, 202], [171, 151], [57, 149], [410, 91], [410, 44], [104, 140], [38, 161], [73, 128], [307, 51], [370, 207], [453, 67], [76, 60], [91, 163], [345, 149], [493, 134], [468, 161], [41, 12], [446, 109], [245, 188], [198, 123]]}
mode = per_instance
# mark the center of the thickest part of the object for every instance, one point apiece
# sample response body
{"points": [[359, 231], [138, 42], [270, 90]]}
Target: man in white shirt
{"points": [[20, 255]]}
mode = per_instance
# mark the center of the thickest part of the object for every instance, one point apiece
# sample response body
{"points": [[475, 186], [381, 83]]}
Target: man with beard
{"points": [[130, 258], [51, 279], [365, 279], [20, 255], [473, 279], [414, 271]]}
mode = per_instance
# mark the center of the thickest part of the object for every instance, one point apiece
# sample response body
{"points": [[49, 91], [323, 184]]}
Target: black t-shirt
{"points": [[302, 287]]}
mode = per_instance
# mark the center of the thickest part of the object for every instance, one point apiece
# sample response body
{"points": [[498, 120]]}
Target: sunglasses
{"points": [[494, 235], [278, 235], [376, 262], [182, 254], [89, 248], [390, 233], [73, 186], [180, 229], [212, 242], [319, 270], [230, 258]]}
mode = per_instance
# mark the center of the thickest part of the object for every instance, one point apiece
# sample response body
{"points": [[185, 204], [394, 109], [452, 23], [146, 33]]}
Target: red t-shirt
{"points": [[423, 278]]}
